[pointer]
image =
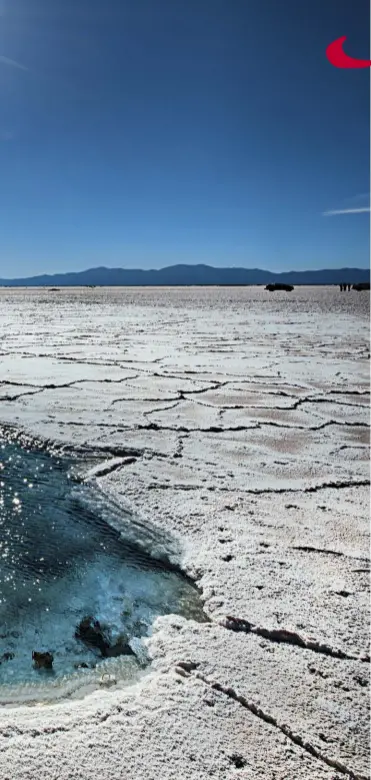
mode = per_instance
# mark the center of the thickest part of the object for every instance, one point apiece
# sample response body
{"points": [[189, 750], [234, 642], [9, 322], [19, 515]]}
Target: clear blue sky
{"points": [[142, 133]]}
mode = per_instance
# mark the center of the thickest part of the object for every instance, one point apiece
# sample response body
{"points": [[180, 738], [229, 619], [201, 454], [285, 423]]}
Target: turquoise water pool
{"points": [[60, 561]]}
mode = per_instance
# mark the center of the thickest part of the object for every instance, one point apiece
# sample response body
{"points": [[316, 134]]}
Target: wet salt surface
{"points": [[59, 562]]}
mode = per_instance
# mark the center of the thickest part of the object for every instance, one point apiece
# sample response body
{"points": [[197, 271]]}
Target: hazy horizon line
{"points": [[52, 274]]}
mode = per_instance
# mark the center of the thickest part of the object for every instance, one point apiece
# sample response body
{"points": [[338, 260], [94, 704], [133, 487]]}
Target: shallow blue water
{"points": [[60, 561]]}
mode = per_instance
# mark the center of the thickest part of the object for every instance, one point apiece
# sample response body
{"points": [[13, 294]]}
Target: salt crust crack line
{"points": [[323, 398], [186, 669], [323, 551], [284, 636], [264, 491]]}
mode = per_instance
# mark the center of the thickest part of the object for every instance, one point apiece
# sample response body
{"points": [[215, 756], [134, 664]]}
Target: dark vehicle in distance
{"points": [[279, 286]]}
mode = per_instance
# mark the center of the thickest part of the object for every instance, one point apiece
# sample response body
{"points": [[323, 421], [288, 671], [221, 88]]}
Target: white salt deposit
{"points": [[245, 416]]}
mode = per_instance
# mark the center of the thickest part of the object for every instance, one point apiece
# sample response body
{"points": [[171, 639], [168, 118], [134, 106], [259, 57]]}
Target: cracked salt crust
{"points": [[196, 399]]}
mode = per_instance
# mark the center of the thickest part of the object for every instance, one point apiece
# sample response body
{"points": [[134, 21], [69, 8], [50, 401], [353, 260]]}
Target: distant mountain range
{"points": [[190, 275]]}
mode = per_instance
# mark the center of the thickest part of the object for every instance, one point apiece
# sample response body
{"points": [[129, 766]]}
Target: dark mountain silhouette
{"points": [[190, 275]]}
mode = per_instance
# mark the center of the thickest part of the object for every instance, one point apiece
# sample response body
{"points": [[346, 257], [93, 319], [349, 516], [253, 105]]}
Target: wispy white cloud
{"points": [[11, 63], [335, 212]]}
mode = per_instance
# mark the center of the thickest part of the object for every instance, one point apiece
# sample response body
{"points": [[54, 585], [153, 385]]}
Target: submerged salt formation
{"points": [[96, 636], [42, 660]]}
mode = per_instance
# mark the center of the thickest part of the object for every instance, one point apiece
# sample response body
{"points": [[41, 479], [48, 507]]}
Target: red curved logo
{"points": [[337, 56]]}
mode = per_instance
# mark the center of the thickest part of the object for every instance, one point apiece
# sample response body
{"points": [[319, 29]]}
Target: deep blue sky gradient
{"points": [[142, 133]]}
